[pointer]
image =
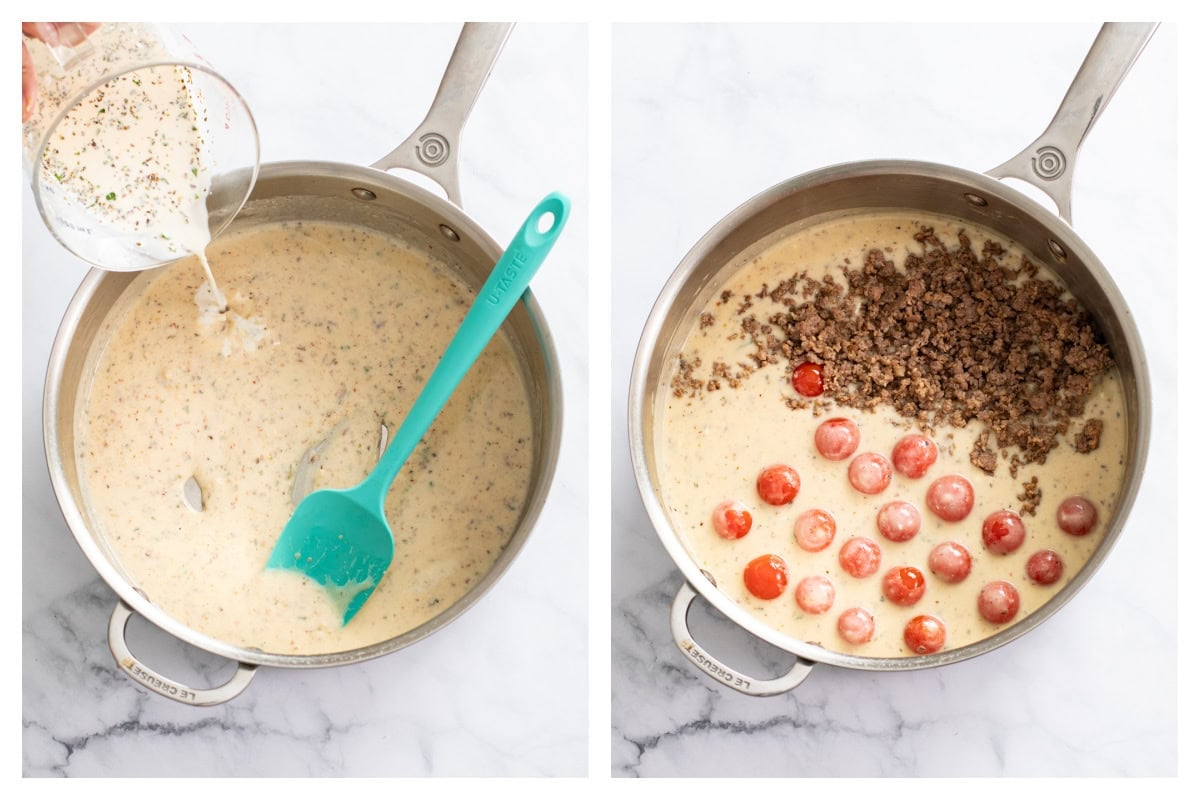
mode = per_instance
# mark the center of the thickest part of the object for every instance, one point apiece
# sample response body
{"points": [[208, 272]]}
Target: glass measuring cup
{"points": [[137, 151]]}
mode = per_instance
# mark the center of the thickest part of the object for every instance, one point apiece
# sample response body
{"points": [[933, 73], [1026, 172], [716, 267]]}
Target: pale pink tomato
{"points": [[914, 454], [837, 438], [814, 594], [731, 519], [925, 634], [898, 521], [951, 497], [1003, 532], [856, 625], [870, 473], [999, 601], [1076, 515], [814, 529], [1044, 567], [860, 557], [766, 577], [950, 561], [778, 484], [904, 586]]}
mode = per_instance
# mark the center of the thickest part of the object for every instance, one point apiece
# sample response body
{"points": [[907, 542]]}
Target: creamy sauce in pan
{"points": [[712, 447], [331, 330]]}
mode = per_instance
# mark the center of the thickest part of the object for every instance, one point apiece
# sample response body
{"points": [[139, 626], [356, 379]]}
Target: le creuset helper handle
{"points": [[719, 671], [1049, 162], [165, 686], [432, 149]]}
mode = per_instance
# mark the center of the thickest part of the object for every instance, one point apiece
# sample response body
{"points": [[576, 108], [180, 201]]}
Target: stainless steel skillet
{"points": [[979, 199], [368, 197]]}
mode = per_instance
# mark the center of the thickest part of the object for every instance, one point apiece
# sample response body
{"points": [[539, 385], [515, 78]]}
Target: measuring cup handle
{"points": [[162, 685], [1049, 162], [432, 149], [718, 671]]}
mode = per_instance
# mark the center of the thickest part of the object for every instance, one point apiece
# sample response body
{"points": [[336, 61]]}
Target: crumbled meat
{"points": [[1030, 497], [983, 456], [1088, 439]]}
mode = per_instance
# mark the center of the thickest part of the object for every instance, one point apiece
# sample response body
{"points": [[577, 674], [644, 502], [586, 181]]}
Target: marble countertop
{"points": [[705, 117], [501, 691]]}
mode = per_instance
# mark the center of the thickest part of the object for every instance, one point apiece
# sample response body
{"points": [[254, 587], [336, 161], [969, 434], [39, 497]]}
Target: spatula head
{"points": [[341, 543]]}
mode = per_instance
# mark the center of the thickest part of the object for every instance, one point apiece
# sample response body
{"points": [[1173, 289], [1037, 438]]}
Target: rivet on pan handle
{"points": [[1049, 163], [162, 685], [432, 149], [718, 671]]}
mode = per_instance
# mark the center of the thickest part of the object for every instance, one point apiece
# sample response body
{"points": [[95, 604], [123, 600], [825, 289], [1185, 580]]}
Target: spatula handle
{"points": [[507, 282]]}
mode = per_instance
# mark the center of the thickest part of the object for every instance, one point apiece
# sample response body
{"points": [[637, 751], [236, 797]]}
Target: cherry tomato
{"points": [[1076, 515], [998, 601], [766, 577], [925, 634], [814, 530], [1003, 532], [898, 521], [914, 454], [778, 484], [950, 561], [731, 519], [870, 473], [859, 557], [951, 497], [903, 585], [809, 379], [814, 594], [1044, 567], [856, 625], [837, 438]]}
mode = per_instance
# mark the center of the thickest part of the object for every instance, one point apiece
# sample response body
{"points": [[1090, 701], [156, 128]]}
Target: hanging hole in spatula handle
{"points": [[160, 684]]}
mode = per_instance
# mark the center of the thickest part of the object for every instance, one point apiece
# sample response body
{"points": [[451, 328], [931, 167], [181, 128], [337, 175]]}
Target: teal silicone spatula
{"points": [[340, 537]]}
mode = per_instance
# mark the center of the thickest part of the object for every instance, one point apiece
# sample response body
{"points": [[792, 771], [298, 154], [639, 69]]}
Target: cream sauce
{"points": [[713, 446], [332, 329]]}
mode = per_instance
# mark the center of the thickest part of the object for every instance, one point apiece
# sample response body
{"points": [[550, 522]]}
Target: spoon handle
{"points": [[507, 282]]}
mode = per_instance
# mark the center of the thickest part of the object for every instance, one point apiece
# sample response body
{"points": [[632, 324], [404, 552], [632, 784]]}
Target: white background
{"points": [[705, 117], [502, 690]]}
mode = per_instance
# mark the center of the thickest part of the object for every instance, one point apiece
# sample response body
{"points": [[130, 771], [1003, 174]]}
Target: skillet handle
{"points": [[432, 149], [162, 685], [718, 671], [1049, 162]]}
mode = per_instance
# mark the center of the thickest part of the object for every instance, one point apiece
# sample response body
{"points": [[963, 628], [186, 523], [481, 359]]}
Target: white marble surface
{"points": [[704, 117], [501, 691]]}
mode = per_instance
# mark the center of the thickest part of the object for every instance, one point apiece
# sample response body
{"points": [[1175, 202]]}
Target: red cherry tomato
{"points": [[814, 594], [1076, 515], [914, 454], [814, 530], [778, 484], [856, 625], [898, 521], [925, 634], [950, 561], [870, 473], [999, 601], [903, 585], [809, 379], [837, 438], [1044, 567], [951, 497], [859, 557], [766, 577], [1003, 532], [731, 519]]}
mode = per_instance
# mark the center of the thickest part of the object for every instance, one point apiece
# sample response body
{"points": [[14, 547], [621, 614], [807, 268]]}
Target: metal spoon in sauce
{"points": [[340, 537]]}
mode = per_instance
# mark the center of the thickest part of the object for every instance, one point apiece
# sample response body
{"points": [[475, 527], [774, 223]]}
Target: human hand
{"points": [[55, 34]]}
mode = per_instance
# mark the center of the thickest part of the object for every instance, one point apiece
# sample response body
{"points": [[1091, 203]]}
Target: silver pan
{"points": [[979, 199], [366, 196]]}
